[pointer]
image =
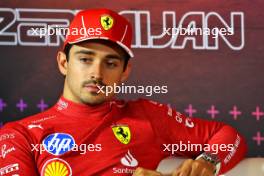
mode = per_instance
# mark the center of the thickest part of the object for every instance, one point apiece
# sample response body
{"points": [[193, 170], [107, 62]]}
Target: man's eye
{"points": [[111, 64], [85, 60]]}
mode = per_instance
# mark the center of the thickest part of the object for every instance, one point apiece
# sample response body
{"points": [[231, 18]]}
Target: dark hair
{"points": [[67, 49]]}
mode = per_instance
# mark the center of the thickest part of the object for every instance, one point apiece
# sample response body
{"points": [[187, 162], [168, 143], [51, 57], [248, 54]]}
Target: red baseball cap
{"points": [[100, 24]]}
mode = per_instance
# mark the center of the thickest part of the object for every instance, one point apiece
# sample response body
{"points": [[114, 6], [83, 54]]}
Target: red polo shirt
{"points": [[113, 138]]}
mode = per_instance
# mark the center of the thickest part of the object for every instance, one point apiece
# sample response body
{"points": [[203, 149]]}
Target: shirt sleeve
{"points": [[16, 157], [189, 137]]}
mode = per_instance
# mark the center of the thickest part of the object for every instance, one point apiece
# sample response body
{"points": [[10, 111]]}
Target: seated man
{"points": [[88, 132]]}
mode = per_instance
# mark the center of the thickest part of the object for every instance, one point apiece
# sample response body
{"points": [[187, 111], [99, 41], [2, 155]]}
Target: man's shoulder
{"points": [[27, 122], [145, 104]]}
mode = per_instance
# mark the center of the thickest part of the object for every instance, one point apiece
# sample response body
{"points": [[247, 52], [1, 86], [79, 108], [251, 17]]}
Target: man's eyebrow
{"points": [[85, 52], [113, 56]]}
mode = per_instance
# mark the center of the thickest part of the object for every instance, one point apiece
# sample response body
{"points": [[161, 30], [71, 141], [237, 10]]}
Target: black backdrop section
{"points": [[199, 78]]}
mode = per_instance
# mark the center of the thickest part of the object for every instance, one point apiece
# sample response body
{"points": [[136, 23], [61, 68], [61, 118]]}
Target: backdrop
{"points": [[218, 78]]}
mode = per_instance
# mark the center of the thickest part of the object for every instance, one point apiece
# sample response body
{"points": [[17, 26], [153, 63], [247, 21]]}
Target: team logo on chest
{"points": [[122, 133]]}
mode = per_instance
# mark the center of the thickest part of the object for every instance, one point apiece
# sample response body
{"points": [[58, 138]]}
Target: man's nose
{"points": [[96, 72]]}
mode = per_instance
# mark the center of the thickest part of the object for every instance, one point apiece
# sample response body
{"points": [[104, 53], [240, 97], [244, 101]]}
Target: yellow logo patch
{"points": [[122, 133], [107, 22], [56, 167]]}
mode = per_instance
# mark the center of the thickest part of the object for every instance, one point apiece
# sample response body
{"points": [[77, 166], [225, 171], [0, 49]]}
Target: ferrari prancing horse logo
{"points": [[122, 133], [107, 22]]}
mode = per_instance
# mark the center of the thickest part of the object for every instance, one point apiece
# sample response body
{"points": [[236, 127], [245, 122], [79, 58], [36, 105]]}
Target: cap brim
{"points": [[128, 50]]}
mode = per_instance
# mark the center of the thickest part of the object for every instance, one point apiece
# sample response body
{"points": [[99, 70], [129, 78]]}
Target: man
{"points": [[90, 133]]}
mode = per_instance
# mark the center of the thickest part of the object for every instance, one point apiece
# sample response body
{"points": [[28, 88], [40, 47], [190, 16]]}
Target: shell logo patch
{"points": [[122, 133], [56, 167], [107, 22]]}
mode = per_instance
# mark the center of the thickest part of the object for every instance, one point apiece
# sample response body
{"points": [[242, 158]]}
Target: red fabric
{"points": [[151, 125]]}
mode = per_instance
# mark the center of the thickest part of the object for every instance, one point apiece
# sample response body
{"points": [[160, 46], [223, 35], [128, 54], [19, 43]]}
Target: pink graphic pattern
{"points": [[235, 113], [213, 111], [190, 111]]}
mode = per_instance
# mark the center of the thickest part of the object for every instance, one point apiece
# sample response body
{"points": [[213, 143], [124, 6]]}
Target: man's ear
{"points": [[126, 72], [62, 62]]}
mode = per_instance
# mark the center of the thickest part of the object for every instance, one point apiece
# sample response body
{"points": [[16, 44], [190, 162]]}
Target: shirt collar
{"points": [[71, 108]]}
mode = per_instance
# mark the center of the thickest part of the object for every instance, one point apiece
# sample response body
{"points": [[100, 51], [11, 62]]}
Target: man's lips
{"points": [[92, 87]]}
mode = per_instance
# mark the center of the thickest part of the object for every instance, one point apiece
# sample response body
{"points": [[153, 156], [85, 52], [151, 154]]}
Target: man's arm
{"points": [[188, 168], [16, 157], [213, 138]]}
